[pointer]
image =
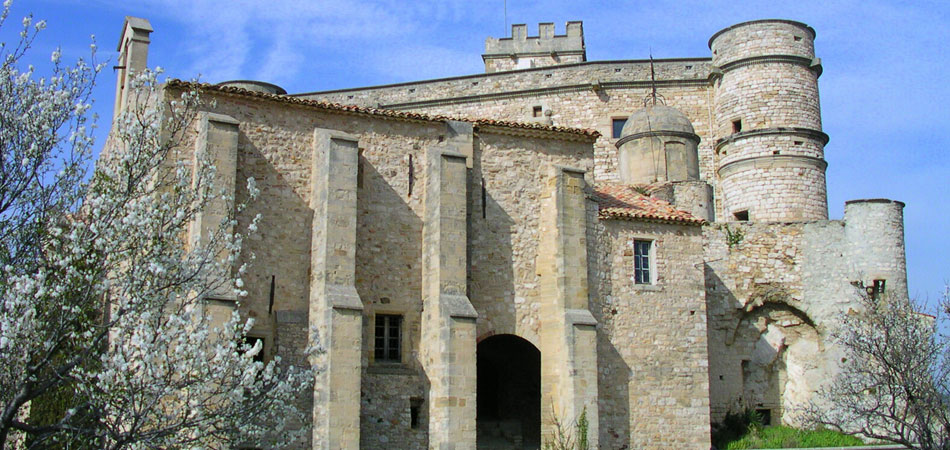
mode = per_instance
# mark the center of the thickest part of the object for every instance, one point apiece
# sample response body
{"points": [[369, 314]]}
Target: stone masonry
{"points": [[661, 241]]}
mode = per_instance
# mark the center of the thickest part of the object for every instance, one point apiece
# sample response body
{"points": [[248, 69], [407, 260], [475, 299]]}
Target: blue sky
{"points": [[884, 91]]}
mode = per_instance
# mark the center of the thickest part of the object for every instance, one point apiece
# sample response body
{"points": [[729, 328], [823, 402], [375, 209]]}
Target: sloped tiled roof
{"points": [[403, 115], [625, 202]]}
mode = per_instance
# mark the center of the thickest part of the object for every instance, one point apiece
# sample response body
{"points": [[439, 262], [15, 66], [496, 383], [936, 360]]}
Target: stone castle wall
{"points": [[654, 379], [584, 96], [739, 315], [774, 293]]}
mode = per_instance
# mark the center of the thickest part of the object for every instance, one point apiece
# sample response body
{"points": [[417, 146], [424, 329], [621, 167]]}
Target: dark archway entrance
{"points": [[509, 393]]}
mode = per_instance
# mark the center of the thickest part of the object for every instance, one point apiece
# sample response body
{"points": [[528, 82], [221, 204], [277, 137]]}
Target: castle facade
{"points": [[644, 244]]}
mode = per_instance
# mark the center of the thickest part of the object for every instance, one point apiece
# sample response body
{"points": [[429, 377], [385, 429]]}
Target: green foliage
{"points": [[733, 237], [735, 426], [757, 436], [582, 427], [565, 439]]}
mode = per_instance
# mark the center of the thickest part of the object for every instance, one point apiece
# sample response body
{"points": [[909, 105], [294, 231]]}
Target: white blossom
{"points": [[102, 295]]}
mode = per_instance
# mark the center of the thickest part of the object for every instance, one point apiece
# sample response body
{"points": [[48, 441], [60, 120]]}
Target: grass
{"points": [[745, 430], [785, 437]]}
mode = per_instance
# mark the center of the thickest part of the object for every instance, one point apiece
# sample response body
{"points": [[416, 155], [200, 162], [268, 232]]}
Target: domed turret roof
{"points": [[657, 118]]}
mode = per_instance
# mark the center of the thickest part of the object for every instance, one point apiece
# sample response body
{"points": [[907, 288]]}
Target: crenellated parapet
{"points": [[519, 51]]}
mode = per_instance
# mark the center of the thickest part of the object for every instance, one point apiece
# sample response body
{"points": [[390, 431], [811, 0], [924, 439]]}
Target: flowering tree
{"points": [[894, 384], [102, 294]]}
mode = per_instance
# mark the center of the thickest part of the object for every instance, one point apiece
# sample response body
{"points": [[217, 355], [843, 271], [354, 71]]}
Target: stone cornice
{"points": [[563, 89], [771, 161], [803, 132], [682, 134], [804, 61]]}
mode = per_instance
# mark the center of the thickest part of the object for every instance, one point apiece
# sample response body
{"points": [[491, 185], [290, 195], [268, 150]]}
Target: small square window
{"points": [[876, 291], [642, 261], [617, 129], [536, 111], [388, 338]]}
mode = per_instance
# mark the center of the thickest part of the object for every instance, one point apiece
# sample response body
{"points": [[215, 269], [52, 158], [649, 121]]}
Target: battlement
{"points": [[520, 51]]}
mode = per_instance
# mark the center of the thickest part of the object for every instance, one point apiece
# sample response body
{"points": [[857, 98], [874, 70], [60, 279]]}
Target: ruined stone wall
{"points": [[652, 343], [775, 291]]}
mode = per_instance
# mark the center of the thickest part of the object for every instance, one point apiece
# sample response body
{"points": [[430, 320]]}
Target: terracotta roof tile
{"points": [[404, 115], [626, 202]]}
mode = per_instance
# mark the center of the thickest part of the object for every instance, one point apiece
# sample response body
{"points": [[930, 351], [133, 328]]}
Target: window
{"points": [[251, 341], [388, 338], [641, 262], [536, 111], [618, 127], [765, 416], [876, 291], [742, 216], [736, 125], [415, 407]]}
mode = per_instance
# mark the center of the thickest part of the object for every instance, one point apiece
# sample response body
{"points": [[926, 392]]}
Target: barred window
{"points": [[641, 262], [388, 338]]}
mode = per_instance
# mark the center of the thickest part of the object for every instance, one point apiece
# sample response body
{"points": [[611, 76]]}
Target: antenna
{"points": [[654, 97], [652, 78], [506, 19]]}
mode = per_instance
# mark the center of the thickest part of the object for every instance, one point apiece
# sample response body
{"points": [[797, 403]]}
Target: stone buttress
{"points": [[217, 144], [568, 329], [448, 318], [335, 305]]}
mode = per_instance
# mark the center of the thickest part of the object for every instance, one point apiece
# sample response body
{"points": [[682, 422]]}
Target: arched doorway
{"points": [[509, 393]]}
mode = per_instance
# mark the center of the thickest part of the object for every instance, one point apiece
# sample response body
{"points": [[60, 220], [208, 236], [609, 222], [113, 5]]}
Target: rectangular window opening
{"points": [[877, 289], [741, 216], [641, 262], [617, 125], [798, 38], [388, 338], [737, 125], [415, 408], [251, 341], [536, 111], [765, 415]]}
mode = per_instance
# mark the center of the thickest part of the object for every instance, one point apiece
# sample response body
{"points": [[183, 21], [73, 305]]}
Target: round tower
{"points": [[769, 147], [874, 229]]}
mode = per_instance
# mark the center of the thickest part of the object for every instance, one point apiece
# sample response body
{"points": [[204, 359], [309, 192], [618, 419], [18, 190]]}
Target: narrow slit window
{"points": [[642, 261], [388, 338], [484, 198], [412, 175]]}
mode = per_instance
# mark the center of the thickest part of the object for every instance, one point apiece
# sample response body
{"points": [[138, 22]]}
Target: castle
{"points": [[642, 243]]}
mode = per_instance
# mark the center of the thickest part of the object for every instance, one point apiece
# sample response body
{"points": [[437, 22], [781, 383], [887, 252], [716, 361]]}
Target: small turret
{"points": [[658, 143], [546, 49], [874, 229]]}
